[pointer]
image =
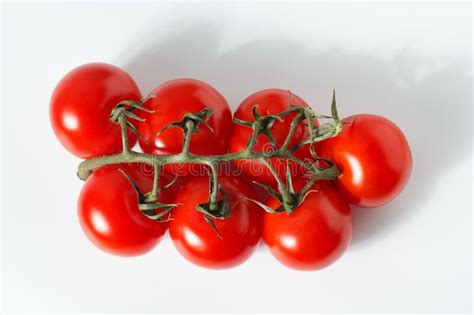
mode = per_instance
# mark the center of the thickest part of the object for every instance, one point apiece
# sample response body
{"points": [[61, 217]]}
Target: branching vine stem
{"points": [[294, 124], [156, 180], [123, 127], [191, 124]]}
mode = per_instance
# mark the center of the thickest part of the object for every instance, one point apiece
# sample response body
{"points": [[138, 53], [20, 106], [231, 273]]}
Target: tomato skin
{"points": [[374, 158], [81, 104], [174, 99], [270, 101], [315, 235], [198, 242], [109, 215]]}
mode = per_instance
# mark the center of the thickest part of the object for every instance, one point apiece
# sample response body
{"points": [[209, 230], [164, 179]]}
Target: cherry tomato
{"points": [[315, 235], [109, 215], [374, 158], [271, 101], [81, 104], [195, 239], [174, 99]]}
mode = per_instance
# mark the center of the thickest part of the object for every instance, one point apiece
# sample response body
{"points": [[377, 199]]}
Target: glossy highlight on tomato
{"points": [[109, 215], [81, 104], [315, 235], [270, 101], [374, 158], [195, 239]]}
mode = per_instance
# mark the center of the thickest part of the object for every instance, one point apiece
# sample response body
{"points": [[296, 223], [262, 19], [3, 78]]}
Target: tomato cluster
{"points": [[370, 151]]}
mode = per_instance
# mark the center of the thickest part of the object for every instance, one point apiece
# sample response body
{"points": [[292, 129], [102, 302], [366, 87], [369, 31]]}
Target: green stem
{"points": [[253, 138], [294, 124], [281, 186], [129, 156], [189, 127], [123, 129], [214, 188], [156, 181], [86, 166]]}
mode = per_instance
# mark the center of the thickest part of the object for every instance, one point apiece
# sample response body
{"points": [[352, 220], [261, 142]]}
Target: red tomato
{"points": [[271, 101], [81, 104], [198, 242], [174, 99], [315, 235], [109, 215], [374, 158]]}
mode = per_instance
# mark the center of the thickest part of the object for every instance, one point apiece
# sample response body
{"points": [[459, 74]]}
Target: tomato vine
{"points": [[215, 207]]}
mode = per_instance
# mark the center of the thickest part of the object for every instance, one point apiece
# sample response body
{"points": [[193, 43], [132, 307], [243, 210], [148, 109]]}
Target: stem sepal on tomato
{"points": [[148, 203], [287, 196]]}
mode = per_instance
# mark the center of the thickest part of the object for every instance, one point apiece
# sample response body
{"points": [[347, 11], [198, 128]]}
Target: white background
{"points": [[411, 63]]}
